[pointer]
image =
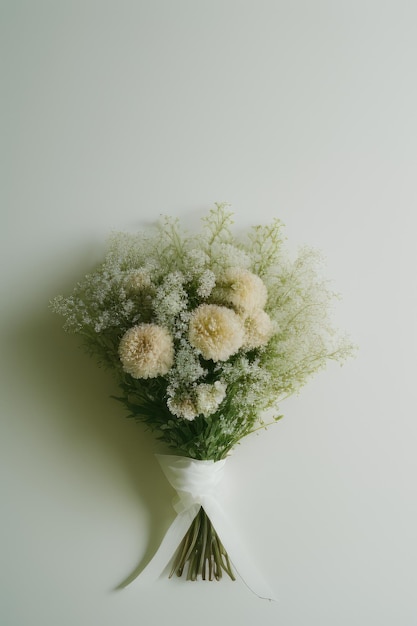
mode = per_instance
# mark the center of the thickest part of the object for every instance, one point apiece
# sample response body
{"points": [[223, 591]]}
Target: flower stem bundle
{"points": [[202, 551]]}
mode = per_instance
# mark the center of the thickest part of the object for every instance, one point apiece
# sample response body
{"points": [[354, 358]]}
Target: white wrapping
{"points": [[196, 484]]}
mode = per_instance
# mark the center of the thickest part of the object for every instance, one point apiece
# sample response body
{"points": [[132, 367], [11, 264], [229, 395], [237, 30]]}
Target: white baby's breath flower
{"points": [[187, 368], [216, 331], [146, 351], [138, 280], [170, 299], [225, 255], [197, 259], [242, 289], [259, 329], [207, 281]]}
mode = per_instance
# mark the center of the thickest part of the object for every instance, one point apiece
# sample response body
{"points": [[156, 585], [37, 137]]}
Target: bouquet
{"points": [[206, 333]]}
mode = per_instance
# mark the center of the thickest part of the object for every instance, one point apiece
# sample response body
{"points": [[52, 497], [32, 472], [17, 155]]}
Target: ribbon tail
{"points": [[168, 546], [242, 563]]}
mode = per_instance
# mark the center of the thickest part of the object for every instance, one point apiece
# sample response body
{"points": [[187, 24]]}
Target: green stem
{"points": [[202, 551]]}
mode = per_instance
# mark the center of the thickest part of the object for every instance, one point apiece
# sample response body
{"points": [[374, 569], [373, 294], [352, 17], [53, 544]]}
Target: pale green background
{"points": [[117, 111]]}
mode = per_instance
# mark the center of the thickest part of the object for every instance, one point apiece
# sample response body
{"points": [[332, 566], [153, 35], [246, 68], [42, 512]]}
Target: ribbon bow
{"points": [[196, 483]]}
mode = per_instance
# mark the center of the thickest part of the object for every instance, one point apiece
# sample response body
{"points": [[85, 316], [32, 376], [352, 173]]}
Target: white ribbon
{"points": [[196, 484]]}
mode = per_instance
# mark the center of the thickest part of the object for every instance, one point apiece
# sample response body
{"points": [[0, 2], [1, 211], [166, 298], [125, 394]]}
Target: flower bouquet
{"points": [[206, 334]]}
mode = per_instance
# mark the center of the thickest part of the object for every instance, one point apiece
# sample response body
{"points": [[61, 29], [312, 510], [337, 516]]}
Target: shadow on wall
{"points": [[56, 374]]}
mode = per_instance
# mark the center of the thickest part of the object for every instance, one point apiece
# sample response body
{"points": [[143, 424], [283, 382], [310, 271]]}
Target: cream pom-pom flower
{"points": [[146, 351], [216, 331], [259, 329], [243, 289], [183, 407], [209, 397], [204, 399]]}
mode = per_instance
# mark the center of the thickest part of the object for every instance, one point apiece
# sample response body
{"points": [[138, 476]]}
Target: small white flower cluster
{"points": [[203, 399], [138, 281], [207, 281], [170, 299]]}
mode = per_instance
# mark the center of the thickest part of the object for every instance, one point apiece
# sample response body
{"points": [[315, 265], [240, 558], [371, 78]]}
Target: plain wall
{"points": [[116, 112]]}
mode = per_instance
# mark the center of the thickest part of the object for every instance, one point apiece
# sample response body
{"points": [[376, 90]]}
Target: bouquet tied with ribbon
{"points": [[206, 333]]}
